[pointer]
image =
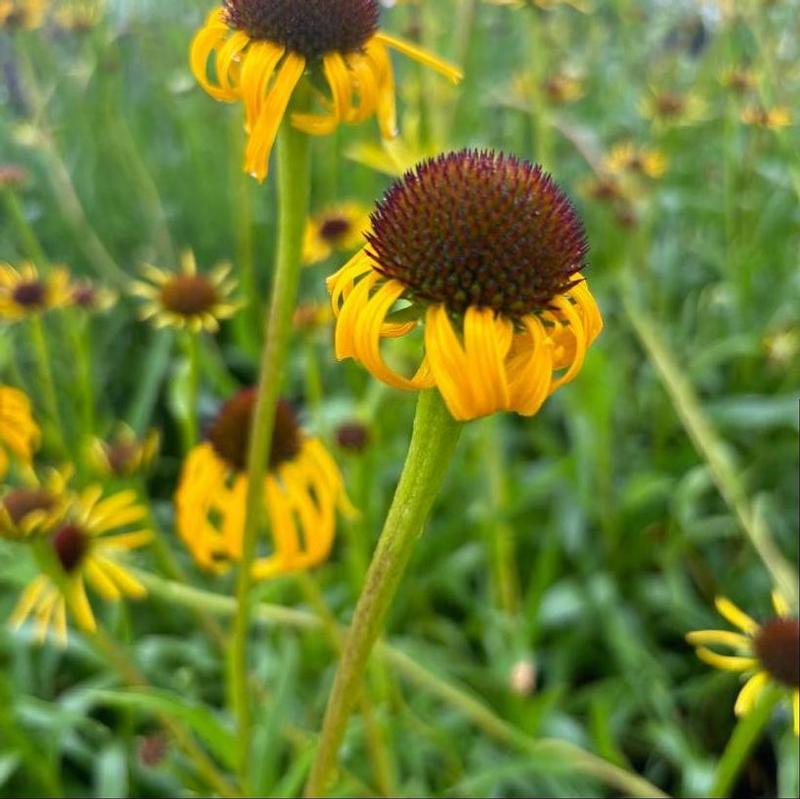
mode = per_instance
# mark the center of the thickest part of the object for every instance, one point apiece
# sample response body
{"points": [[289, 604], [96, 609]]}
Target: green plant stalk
{"points": [[27, 238], [433, 442], [121, 661], [191, 347], [745, 736], [293, 199], [77, 324], [483, 717], [539, 112], [47, 383], [709, 445]]}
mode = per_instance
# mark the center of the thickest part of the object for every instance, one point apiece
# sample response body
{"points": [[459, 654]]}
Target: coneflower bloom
{"points": [[765, 653], [774, 118], [25, 14], [86, 554], [631, 158], [263, 48], [488, 250], [19, 433], [672, 109], [124, 454], [90, 297], [33, 510], [187, 298], [302, 491], [24, 292], [339, 228]]}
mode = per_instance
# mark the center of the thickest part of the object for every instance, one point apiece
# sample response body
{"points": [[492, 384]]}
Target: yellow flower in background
{"points": [[187, 299], [34, 510], [24, 292], [312, 316], [339, 228], [87, 554], [302, 492], [19, 433], [766, 653], [80, 16], [262, 49], [672, 108], [124, 454], [488, 250], [739, 80], [26, 14], [779, 116], [88, 296], [628, 157], [563, 88], [546, 5]]}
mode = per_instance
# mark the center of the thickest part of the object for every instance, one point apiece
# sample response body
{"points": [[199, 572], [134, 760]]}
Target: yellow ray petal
{"points": [[748, 696], [735, 616]]}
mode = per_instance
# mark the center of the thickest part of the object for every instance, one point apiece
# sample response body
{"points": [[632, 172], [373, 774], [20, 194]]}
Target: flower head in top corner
{"points": [[302, 491], [339, 228], [187, 298], [766, 653], [25, 292], [19, 433], [263, 48], [488, 252], [79, 16], [89, 547], [22, 14]]}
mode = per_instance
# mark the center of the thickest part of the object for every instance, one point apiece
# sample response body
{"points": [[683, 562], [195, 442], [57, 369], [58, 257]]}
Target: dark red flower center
{"points": [[189, 295], [84, 296], [121, 456], [308, 27], [352, 436], [230, 432], [669, 104], [334, 228], [20, 502], [31, 294], [70, 543], [479, 229], [777, 646]]}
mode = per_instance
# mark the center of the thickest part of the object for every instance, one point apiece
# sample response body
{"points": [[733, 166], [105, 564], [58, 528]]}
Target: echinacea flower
{"points": [[488, 250], [90, 297], [86, 554], [628, 157], [263, 48], [673, 109], [302, 491], [339, 228], [188, 298], [546, 5], [33, 510], [19, 433], [766, 653], [124, 454], [25, 14], [25, 293], [779, 116]]}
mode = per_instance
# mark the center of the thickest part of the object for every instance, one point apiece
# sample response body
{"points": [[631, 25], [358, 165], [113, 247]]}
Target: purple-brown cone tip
{"points": [[482, 229]]}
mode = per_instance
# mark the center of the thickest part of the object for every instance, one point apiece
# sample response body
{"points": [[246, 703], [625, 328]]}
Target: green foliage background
{"points": [[587, 540]]}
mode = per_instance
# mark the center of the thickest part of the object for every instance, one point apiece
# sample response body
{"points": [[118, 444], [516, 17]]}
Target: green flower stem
{"points": [[433, 441], [294, 166], [745, 736], [48, 385], [569, 756], [110, 652], [539, 112], [191, 347], [27, 238], [708, 443]]}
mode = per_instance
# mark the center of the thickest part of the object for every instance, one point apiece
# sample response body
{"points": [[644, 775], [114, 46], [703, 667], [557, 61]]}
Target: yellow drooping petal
{"points": [[726, 662], [749, 694], [450, 71], [738, 618], [720, 638]]}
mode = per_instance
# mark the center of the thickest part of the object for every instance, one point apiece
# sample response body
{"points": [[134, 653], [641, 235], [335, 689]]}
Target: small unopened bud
{"points": [[522, 679], [352, 436]]}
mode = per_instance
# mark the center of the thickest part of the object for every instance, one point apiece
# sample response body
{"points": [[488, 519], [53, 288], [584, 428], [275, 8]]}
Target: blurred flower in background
{"points": [[19, 433], [339, 228], [25, 14], [25, 292]]}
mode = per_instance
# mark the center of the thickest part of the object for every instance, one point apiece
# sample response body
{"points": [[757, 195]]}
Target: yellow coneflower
{"points": [[24, 292], [302, 492], [19, 433], [739, 80], [672, 108], [767, 653], [187, 299], [124, 454], [33, 510], [312, 316], [489, 250], [263, 48], [25, 14], [628, 157], [339, 228], [774, 118], [80, 16], [545, 5], [86, 554], [563, 88], [88, 296]]}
